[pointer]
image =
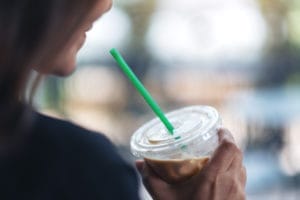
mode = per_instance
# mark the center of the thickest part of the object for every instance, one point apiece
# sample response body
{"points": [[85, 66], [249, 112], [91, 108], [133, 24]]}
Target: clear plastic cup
{"points": [[178, 157]]}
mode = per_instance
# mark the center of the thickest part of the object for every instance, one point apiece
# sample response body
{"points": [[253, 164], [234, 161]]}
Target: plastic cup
{"points": [[178, 157]]}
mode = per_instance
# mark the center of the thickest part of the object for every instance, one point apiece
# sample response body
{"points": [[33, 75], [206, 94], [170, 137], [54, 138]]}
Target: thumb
{"points": [[140, 165], [225, 134]]}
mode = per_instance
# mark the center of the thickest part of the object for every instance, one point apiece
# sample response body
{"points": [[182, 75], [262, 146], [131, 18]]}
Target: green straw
{"points": [[142, 90]]}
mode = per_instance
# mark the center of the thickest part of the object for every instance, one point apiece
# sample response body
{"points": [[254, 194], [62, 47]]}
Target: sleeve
{"points": [[98, 172], [120, 183]]}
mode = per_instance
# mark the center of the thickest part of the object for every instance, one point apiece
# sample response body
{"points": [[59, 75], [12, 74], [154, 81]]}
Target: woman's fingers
{"points": [[243, 176], [224, 134], [224, 177], [237, 162], [226, 157]]}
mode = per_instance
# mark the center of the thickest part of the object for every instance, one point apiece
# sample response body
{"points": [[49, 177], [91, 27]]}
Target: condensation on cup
{"points": [[178, 157]]}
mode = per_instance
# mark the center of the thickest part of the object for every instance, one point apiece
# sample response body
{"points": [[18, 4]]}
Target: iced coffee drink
{"points": [[179, 156]]}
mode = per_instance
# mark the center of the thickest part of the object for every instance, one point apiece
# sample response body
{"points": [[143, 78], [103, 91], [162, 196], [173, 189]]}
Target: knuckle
{"points": [[210, 178], [241, 194], [244, 170], [230, 185], [244, 175], [235, 187], [229, 147], [232, 149], [239, 154]]}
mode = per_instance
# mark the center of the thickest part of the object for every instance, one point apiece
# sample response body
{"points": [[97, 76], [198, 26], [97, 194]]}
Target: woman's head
{"points": [[44, 35], [41, 35], [64, 62]]}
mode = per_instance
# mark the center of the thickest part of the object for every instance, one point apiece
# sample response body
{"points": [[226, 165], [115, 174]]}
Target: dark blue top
{"points": [[63, 161]]}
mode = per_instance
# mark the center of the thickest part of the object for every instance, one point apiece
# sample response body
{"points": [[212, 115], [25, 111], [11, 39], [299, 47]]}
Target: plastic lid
{"points": [[189, 123]]}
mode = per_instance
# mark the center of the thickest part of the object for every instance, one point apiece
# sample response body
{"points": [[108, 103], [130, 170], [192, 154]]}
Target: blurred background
{"points": [[240, 56]]}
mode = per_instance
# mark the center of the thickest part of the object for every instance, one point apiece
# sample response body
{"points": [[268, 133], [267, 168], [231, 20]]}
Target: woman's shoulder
{"points": [[63, 128], [47, 123], [87, 158], [71, 138]]}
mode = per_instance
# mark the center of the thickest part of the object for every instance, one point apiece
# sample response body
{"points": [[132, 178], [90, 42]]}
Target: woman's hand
{"points": [[223, 178]]}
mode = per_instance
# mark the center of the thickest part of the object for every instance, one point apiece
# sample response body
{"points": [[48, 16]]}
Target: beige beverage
{"points": [[177, 170], [178, 157]]}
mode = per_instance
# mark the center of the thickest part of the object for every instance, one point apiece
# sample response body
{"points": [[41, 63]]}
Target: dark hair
{"points": [[31, 30]]}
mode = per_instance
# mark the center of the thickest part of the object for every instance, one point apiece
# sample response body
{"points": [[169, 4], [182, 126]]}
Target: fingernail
{"points": [[139, 165], [225, 134]]}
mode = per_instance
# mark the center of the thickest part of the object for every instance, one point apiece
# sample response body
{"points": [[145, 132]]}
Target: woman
{"points": [[46, 158]]}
